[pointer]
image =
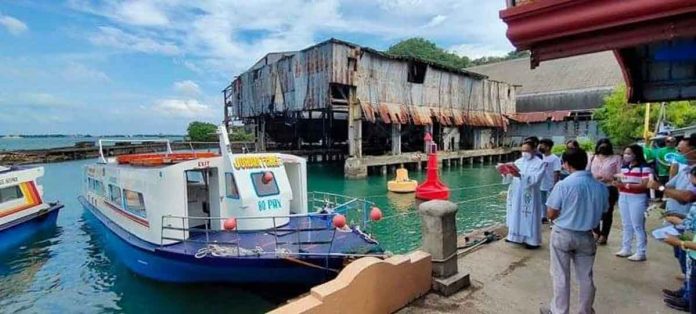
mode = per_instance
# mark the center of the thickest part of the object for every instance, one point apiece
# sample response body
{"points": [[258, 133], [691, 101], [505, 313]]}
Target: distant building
{"points": [[338, 95], [556, 99]]}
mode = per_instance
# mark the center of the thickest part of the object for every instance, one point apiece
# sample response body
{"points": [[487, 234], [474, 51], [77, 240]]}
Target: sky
{"points": [[153, 66]]}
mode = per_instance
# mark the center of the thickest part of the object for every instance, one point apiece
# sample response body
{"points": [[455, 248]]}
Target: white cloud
{"points": [[478, 50], [435, 21], [77, 72], [35, 100], [182, 108], [142, 13], [187, 88], [13, 25], [116, 38]]}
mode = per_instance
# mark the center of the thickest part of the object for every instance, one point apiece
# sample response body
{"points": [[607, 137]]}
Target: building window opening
{"points": [[416, 72]]}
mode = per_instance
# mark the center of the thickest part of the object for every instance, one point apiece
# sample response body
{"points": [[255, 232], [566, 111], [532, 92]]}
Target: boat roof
{"points": [[7, 169]]}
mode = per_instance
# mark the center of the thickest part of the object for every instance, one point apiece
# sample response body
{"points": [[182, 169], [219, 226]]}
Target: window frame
{"points": [[111, 197], [234, 184], [18, 190], [275, 182], [127, 207]]}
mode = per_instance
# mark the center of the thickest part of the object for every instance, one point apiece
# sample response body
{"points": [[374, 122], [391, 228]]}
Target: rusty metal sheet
{"points": [[368, 112], [540, 116], [421, 115]]}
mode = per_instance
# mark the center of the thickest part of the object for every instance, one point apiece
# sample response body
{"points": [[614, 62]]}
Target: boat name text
{"points": [[269, 204], [9, 180], [252, 162]]}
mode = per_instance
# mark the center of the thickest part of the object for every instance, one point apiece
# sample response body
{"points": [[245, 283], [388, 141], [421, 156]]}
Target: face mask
{"points": [[628, 158], [527, 155]]}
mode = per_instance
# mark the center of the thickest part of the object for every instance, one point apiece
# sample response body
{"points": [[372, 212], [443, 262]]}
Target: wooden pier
{"points": [[360, 167]]}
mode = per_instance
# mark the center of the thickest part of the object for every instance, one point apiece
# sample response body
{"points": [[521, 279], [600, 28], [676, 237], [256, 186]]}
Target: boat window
{"points": [[135, 203], [99, 188], [10, 193], [195, 177], [231, 186], [115, 194], [264, 189], [96, 186]]}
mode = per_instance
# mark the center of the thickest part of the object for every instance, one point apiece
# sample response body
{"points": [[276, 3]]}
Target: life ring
{"points": [[160, 159]]}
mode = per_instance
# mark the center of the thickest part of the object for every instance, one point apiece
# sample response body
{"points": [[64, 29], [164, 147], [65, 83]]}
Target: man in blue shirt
{"points": [[575, 205]]}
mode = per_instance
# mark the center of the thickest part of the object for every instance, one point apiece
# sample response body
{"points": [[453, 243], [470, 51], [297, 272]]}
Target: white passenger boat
{"points": [[23, 210], [204, 217]]}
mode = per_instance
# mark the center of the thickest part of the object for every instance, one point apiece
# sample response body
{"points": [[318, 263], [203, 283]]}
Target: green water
{"points": [[69, 270], [400, 231]]}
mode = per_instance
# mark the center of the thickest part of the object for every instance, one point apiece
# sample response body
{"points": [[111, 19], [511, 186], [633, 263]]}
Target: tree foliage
{"points": [[510, 55], [424, 49], [624, 122], [240, 134], [202, 131]]}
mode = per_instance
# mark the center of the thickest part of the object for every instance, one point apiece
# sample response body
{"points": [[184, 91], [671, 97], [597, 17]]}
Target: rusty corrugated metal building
{"points": [[336, 87]]}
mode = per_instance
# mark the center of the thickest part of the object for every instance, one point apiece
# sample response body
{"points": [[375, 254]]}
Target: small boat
{"points": [[239, 218], [22, 208], [402, 184]]}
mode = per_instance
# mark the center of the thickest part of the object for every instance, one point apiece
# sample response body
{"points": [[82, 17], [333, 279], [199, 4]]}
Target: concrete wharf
{"points": [[510, 279]]}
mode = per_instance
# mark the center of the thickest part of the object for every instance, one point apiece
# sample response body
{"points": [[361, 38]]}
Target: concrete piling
{"points": [[439, 231]]}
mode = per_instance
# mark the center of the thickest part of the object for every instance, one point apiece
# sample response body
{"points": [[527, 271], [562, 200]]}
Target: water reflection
{"points": [[21, 264]]}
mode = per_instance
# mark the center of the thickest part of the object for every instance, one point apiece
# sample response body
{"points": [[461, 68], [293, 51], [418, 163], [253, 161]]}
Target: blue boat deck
{"points": [[303, 236]]}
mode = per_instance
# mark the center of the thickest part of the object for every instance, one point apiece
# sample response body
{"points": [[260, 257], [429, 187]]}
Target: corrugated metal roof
{"points": [[586, 72], [541, 116]]}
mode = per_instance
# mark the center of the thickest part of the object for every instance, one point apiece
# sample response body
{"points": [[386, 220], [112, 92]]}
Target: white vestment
{"points": [[524, 203]]}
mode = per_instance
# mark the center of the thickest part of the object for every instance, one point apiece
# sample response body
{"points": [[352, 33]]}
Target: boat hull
{"points": [[157, 263], [17, 232]]}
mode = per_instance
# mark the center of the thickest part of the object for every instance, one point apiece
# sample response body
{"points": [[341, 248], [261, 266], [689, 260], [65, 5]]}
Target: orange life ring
{"points": [[160, 159]]}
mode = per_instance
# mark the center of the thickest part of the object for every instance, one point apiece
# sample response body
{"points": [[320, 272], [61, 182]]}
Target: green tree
{"points": [[239, 134], [624, 122], [202, 131], [424, 49]]}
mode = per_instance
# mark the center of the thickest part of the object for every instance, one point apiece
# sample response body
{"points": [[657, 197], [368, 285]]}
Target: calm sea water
{"points": [[69, 270]]}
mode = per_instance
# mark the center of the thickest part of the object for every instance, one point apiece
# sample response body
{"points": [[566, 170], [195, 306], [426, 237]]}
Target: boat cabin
{"points": [[184, 191]]}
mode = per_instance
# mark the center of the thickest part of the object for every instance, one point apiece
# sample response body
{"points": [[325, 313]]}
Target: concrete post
{"points": [[354, 127], [396, 138], [439, 230]]}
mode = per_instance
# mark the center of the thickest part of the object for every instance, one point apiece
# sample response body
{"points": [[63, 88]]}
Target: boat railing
{"points": [[102, 158], [289, 239], [355, 209]]}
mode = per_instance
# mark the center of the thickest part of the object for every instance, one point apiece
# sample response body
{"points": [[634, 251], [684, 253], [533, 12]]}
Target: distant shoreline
{"points": [[85, 135]]}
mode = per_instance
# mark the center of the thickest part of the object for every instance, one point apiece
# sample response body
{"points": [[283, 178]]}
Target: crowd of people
{"points": [[577, 194]]}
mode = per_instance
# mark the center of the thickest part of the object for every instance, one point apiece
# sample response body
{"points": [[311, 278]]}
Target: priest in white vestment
{"points": [[524, 202]]}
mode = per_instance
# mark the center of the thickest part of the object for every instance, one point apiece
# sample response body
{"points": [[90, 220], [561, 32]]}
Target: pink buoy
{"points": [[375, 214], [339, 221], [230, 223], [267, 177]]}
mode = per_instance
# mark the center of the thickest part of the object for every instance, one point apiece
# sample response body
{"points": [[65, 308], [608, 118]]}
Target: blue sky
{"points": [[152, 66]]}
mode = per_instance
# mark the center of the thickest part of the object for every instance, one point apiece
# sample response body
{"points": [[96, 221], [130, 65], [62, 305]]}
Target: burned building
{"points": [[340, 96]]}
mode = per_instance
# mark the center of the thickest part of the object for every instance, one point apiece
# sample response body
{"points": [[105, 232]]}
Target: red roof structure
{"points": [[653, 41]]}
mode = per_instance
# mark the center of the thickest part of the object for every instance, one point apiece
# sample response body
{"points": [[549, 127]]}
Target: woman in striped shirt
{"points": [[632, 183]]}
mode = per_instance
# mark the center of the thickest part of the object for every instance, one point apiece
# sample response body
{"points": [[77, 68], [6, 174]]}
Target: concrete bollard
{"points": [[439, 230]]}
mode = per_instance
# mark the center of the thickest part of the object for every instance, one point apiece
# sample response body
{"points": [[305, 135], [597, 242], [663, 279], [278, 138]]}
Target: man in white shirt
{"points": [[552, 172]]}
